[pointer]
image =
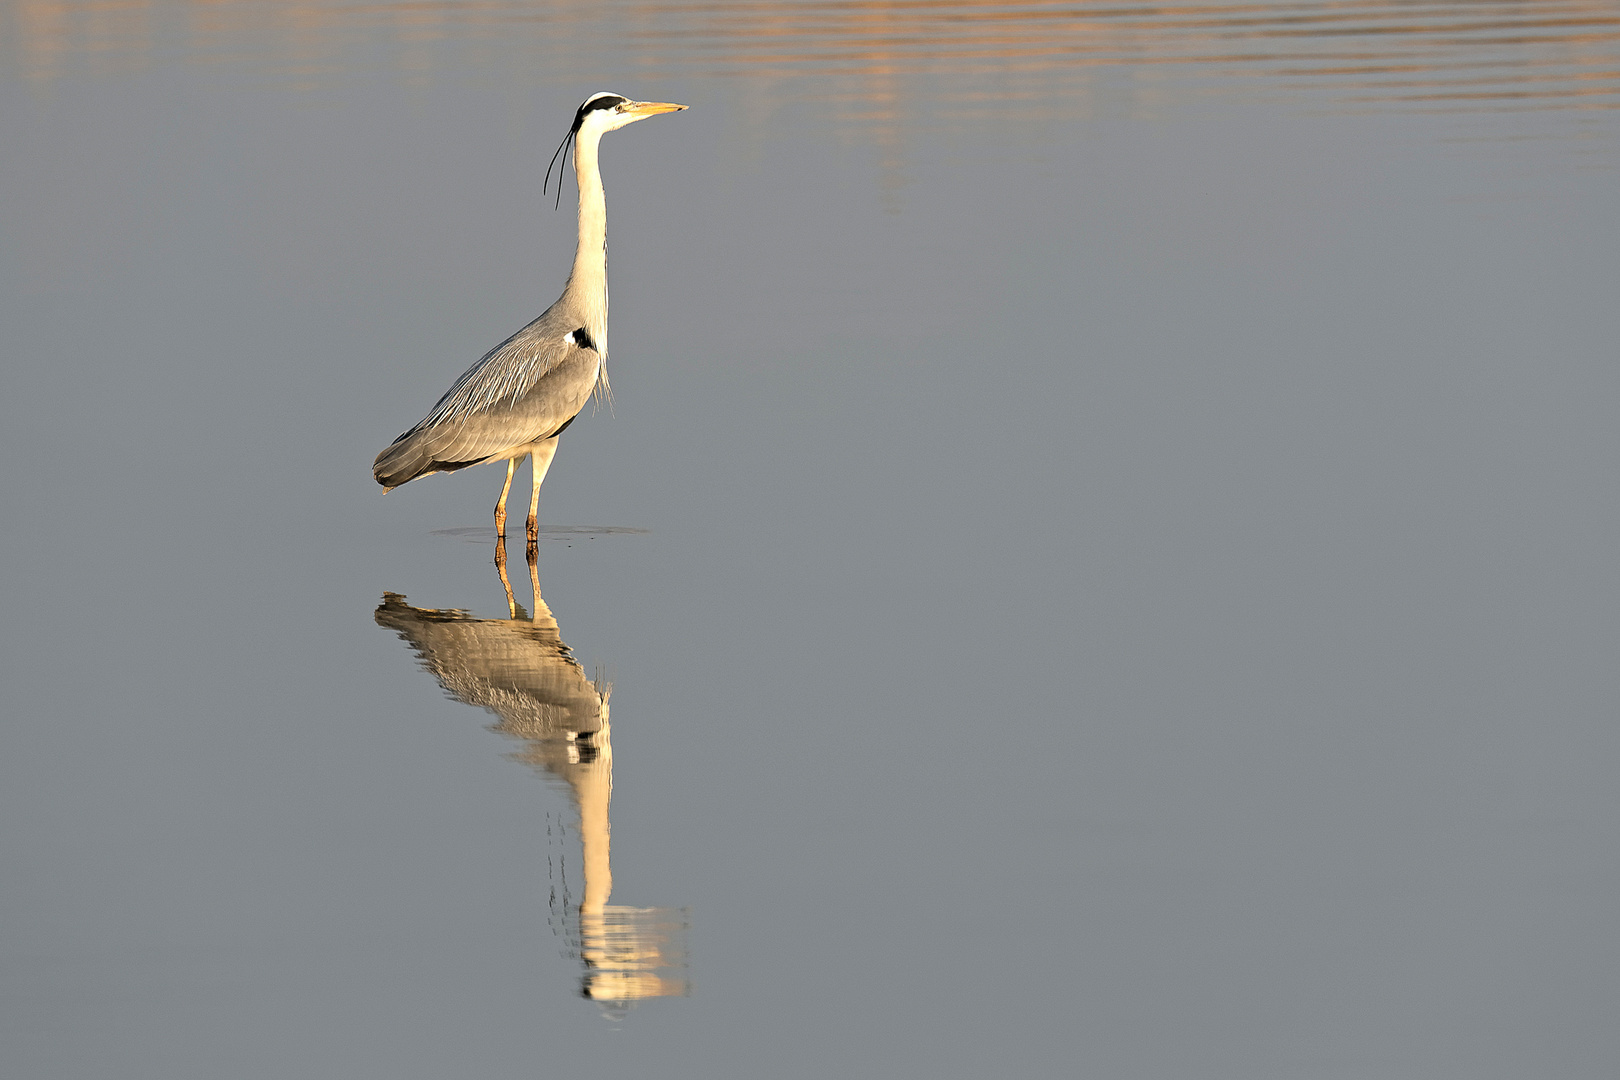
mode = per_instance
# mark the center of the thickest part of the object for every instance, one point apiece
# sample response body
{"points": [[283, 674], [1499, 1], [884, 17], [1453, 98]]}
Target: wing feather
{"points": [[525, 389]]}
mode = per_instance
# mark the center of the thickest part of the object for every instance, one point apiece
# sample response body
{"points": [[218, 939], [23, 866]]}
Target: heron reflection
{"points": [[519, 669]]}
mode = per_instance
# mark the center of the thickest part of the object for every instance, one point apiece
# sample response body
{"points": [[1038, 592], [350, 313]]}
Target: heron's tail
{"points": [[406, 458]]}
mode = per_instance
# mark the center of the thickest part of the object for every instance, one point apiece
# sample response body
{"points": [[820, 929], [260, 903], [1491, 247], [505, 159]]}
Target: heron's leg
{"points": [[541, 458], [500, 507]]}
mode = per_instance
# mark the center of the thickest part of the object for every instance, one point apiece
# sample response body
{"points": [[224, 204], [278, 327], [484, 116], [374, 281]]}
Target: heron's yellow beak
{"points": [[639, 109]]}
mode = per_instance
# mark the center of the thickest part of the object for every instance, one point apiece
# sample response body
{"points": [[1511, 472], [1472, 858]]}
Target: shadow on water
{"points": [[485, 534], [519, 669]]}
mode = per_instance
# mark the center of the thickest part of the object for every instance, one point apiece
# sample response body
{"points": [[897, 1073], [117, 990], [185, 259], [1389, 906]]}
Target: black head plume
{"points": [[566, 140]]}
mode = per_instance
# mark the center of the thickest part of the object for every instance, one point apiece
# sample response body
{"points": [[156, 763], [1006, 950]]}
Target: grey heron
{"points": [[517, 400]]}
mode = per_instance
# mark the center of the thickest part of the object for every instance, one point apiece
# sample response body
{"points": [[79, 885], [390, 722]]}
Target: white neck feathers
{"points": [[587, 284]]}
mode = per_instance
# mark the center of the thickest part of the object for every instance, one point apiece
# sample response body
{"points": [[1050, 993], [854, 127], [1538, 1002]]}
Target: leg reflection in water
{"points": [[519, 669]]}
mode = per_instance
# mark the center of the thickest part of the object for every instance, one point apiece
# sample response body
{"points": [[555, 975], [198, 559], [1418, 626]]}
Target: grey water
{"points": [[1100, 561]]}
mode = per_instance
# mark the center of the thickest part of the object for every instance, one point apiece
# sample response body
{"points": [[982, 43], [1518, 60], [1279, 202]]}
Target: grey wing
{"points": [[524, 390]]}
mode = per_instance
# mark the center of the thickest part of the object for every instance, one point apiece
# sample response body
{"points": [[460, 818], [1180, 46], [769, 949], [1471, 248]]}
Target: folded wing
{"points": [[526, 389]]}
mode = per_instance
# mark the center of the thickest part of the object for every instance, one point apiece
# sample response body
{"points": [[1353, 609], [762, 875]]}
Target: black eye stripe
{"points": [[608, 102]]}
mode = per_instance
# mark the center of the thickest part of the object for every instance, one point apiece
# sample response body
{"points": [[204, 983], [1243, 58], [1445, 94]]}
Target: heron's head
{"points": [[605, 112], [608, 112]]}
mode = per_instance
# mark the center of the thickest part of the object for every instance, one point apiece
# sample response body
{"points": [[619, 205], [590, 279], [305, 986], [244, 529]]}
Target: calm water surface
{"points": [[1100, 562]]}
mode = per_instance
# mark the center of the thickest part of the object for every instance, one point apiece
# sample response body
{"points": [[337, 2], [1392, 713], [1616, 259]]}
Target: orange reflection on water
{"points": [[878, 61]]}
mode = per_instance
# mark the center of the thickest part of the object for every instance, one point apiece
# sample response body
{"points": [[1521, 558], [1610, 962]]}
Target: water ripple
{"points": [[960, 58]]}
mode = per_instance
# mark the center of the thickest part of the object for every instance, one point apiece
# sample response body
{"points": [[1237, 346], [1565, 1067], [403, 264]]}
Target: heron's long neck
{"points": [[588, 282]]}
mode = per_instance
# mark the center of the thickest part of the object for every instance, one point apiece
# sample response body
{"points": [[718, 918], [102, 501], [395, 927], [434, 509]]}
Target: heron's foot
{"points": [[500, 523], [534, 531]]}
